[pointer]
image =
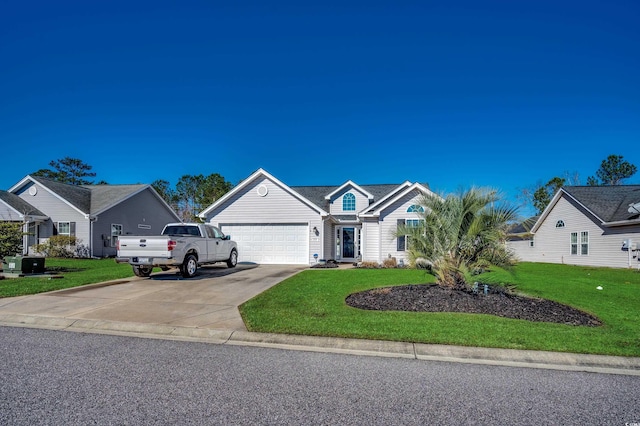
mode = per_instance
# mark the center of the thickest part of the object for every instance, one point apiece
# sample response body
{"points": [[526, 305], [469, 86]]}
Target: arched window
{"points": [[348, 202], [414, 208], [560, 224]]}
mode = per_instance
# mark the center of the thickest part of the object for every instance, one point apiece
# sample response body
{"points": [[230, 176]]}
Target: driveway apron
{"points": [[209, 300]]}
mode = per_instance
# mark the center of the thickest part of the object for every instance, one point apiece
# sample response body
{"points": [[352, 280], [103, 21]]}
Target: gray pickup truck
{"points": [[183, 245]]}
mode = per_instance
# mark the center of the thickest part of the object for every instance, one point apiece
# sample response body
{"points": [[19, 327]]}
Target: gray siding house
{"points": [[280, 224], [95, 214], [585, 225]]}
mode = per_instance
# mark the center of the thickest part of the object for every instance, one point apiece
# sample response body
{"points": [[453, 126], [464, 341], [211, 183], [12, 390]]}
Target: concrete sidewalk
{"points": [[205, 309]]}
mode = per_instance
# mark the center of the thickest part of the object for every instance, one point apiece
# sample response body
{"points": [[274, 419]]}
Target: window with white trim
{"points": [[583, 243], [116, 230], [414, 208], [560, 224], [403, 241], [66, 228], [348, 202]]}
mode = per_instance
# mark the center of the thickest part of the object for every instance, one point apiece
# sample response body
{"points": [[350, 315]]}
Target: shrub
{"points": [[369, 265], [60, 246], [10, 238], [390, 263]]}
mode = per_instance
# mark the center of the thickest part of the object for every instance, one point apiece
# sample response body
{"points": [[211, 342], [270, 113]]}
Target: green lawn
{"points": [[313, 303], [75, 272]]}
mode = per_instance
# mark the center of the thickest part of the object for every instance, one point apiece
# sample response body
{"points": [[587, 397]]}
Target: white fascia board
{"points": [[375, 205], [344, 185], [398, 195], [251, 178], [552, 204], [28, 178]]}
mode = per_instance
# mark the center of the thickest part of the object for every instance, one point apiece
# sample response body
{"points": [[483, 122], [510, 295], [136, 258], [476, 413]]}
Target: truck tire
{"points": [[142, 271], [189, 267], [233, 259]]}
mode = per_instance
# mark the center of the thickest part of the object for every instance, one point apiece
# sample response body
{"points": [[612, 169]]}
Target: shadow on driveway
{"points": [[204, 272]]}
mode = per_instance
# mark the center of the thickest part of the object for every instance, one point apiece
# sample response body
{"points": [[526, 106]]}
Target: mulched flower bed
{"points": [[434, 298]]}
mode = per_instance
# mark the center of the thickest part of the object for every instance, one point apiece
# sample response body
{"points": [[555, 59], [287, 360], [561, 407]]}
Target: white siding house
{"points": [[348, 223], [586, 225]]}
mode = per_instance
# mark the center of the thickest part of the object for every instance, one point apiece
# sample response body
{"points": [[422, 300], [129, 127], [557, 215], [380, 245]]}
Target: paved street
{"points": [[54, 377]]}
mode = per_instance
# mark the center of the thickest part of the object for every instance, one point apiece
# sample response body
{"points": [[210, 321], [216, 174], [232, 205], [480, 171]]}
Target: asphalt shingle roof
{"points": [[19, 204], [104, 196], [78, 196], [316, 194], [90, 198], [609, 203]]}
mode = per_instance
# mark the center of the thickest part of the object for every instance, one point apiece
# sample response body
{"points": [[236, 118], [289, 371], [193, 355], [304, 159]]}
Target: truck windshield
{"points": [[181, 230]]}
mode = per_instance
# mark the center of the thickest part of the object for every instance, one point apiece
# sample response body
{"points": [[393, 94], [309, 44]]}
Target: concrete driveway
{"points": [[210, 300]]}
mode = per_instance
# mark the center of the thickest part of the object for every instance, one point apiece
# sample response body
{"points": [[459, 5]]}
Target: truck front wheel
{"points": [[142, 271], [233, 259], [190, 266]]}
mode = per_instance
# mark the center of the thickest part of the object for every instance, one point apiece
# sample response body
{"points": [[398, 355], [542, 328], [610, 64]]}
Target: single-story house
{"points": [[280, 224], [95, 214], [585, 225]]}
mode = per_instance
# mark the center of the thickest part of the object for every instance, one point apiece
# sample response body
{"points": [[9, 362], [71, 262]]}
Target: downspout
{"points": [[324, 229], [92, 219]]}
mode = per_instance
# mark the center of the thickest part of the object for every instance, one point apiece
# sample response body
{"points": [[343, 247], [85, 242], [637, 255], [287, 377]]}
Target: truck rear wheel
{"points": [[189, 267], [233, 259], [142, 271]]}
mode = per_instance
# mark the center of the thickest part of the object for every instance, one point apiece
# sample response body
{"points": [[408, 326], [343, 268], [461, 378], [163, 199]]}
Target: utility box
{"points": [[23, 265]]}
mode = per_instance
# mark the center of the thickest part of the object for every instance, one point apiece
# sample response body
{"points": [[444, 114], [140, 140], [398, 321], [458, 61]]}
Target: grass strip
{"points": [[75, 272]]}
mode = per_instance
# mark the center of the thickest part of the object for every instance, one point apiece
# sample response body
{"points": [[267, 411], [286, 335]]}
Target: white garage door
{"points": [[286, 243]]}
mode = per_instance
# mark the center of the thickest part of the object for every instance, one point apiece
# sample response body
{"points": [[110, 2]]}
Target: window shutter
{"points": [[72, 229], [401, 238]]}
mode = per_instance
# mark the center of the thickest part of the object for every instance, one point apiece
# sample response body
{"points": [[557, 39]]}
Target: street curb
{"points": [[426, 352]]}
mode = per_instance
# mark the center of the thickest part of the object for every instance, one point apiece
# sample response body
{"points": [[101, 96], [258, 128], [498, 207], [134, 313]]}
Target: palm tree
{"points": [[460, 232]]}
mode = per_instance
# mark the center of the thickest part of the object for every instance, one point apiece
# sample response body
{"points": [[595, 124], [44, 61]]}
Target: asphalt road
{"points": [[54, 377]]}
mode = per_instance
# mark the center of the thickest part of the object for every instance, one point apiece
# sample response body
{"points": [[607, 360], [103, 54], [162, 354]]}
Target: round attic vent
{"points": [[33, 190], [263, 190]]}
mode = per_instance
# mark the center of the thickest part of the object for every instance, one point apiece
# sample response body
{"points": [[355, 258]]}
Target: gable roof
{"points": [[251, 178], [523, 227], [77, 196], [401, 191], [19, 206], [104, 197], [318, 194], [609, 205], [318, 197], [89, 199], [346, 184]]}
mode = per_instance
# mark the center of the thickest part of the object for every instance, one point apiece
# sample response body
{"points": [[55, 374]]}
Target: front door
{"points": [[348, 243]]}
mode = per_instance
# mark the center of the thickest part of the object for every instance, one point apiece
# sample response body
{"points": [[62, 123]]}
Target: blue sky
{"points": [[493, 93]]}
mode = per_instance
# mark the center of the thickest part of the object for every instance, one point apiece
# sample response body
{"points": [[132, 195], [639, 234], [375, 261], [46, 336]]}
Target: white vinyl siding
{"points": [[277, 207], [337, 202], [58, 211], [601, 246], [370, 241], [389, 224]]}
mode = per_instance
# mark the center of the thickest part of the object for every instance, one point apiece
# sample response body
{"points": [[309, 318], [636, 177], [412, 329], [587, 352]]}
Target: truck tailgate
{"points": [[144, 246]]}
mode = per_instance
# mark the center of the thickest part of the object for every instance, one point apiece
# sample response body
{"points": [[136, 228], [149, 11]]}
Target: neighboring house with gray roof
{"points": [[280, 224], [586, 225], [95, 214]]}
